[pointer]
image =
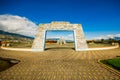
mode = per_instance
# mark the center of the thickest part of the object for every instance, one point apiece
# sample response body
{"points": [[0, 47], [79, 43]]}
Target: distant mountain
{"points": [[14, 34], [69, 41], [55, 39]]}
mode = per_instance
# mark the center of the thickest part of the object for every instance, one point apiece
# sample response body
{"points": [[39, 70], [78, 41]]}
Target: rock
{"points": [[14, 61]]}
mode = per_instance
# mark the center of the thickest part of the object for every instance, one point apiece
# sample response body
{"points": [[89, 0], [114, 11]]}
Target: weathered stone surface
{"points": [[80, 42]]}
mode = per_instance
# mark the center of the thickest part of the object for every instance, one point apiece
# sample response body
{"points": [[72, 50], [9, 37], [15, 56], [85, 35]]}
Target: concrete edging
{"points": [[109, 68], [104, 48], [39, 50], [16, 49]]}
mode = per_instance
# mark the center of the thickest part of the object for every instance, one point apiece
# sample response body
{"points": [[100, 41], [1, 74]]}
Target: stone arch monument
{"points": [[39, 41]]}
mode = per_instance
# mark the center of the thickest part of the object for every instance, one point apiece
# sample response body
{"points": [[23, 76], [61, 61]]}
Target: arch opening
{"points": [[79, 39], [59, 39]]}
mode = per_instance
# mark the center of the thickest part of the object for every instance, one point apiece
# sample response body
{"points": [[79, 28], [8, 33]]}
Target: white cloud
{"points": [[66, 37], [69, 37], [100, 37], [107, 36], [110, 36], [117, 35], [17, 24], [54, 36]]}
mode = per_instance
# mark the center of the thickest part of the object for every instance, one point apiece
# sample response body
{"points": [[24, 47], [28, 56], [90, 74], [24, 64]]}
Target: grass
{"points": [[96, 45], [114, 63], [52, 45], [21, 45]]}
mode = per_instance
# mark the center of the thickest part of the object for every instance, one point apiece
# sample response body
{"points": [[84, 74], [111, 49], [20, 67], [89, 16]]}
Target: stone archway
{"points": [[39, 41]]}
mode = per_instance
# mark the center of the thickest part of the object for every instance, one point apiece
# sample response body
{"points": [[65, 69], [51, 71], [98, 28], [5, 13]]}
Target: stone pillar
{"points": [[39, 41], [80, 42]]}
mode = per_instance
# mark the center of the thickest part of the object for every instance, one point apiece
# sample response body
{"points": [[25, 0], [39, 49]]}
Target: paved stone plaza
{"points": [[59, 64]]}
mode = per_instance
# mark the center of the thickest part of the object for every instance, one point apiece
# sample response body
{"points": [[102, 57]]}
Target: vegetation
{"points": [[114, 63], [95, 45], [15, 40], [102, 42], [21, 45]]}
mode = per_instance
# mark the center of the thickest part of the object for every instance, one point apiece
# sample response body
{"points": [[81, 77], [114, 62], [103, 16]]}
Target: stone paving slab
{"points": [[59, 64]]}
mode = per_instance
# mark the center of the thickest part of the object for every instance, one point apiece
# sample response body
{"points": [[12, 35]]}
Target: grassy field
{"points": [[114, 63], [96, 45], [72, 45], [20, 45], [55, 45]]}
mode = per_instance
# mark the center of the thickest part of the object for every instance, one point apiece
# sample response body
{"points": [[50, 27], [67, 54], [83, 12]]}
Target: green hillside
{"points": [[15, 40]]}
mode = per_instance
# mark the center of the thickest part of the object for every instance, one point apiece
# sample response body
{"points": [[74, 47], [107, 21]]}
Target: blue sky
{"points": [[98, 17], [67, 35]]}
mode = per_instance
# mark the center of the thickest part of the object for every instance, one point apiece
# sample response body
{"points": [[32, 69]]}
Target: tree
{"points": [[102, 40], [111, 40]]}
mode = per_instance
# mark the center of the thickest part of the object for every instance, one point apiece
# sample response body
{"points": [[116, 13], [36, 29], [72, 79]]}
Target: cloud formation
{"points": [[117, 35], [17, 24], [66, 37], [107, 36], [69, 37]]}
